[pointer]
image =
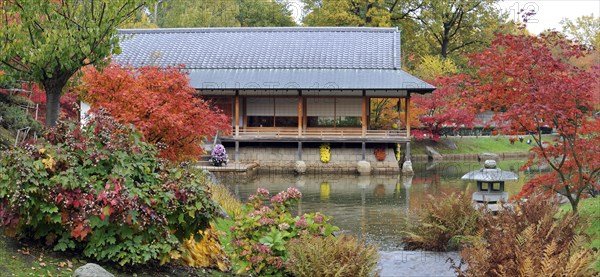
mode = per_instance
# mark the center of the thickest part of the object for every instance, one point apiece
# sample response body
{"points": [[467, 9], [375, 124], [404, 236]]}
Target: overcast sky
{"points": [[548, 12]]}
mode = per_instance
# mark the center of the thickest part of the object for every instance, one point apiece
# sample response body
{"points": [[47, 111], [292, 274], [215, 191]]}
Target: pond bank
{"points": [[417, 263]]}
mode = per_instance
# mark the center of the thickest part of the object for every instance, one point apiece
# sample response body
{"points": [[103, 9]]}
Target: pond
{"points": [[373, 207]]}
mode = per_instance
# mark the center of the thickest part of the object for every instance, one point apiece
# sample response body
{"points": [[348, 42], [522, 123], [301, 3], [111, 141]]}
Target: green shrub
{"points": [[330, 256], [101, 190], [441, 219], [257, 241], [13, 116], [530, 240]]}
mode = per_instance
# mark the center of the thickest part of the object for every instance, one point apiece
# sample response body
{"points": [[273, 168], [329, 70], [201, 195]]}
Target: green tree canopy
{"points": [[47, 41], [222, 13], [585, 29], [447, 28]]}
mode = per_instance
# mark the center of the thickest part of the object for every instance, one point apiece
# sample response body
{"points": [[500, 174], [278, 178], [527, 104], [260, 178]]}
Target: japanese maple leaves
{"points": [[157, 101]]}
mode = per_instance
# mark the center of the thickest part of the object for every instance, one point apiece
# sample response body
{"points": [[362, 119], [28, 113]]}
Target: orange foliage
{"points": [[159, 102]]}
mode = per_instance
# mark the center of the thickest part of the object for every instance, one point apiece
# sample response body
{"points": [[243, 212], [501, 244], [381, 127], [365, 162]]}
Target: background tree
{"points": [[264, 13], [531, 83], [457, 25], [388, 113], [443, 110], [222, 13], [47, 41], [447, 28], [197, 13], [157, 101], [371, 13], [585, 29]]}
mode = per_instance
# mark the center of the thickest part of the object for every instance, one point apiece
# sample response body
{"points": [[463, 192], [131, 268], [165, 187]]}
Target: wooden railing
{"points": [[318, 132]]}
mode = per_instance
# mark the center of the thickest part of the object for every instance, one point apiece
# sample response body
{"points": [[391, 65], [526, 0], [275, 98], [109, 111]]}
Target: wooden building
{"points": [[294, 85]]}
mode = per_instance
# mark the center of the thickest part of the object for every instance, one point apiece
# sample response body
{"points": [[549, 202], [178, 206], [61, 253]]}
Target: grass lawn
{"points": [[21, 259], [475, 145], [589, 210]]}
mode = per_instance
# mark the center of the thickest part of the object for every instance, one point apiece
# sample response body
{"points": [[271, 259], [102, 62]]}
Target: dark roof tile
{"points": [[278, 48]]}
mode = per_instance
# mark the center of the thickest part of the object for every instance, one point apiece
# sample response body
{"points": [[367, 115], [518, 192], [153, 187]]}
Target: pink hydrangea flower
{"points": [[319, 218], [279, 198], [294, 193], [267, 221], [301, 222], [283, 226], [262, 191]]}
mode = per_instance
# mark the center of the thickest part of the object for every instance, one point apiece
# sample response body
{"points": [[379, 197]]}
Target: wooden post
{"points": [[300, 113], [237, 113], [399, 112], [407, 115], [364, 114], [237, 151], [364, 151], [299, 150]]}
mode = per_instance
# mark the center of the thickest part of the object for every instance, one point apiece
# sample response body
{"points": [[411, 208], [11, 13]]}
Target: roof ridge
{"points": [[259, 29]]}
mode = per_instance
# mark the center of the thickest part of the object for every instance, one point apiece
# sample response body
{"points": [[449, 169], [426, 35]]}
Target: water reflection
{"points": [[375, 207]]}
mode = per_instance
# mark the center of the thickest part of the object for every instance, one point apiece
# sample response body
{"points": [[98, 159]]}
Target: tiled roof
{"points": [[331, 79], [263, 48]]}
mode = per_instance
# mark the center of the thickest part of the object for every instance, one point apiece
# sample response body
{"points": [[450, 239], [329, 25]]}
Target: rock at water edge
{"points": [[434, 155], [300, 167], [407, 169], [91, 270], [363, 168]]}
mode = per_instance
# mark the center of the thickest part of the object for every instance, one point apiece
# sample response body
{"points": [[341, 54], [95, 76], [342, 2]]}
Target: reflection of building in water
{"points": [[379, 191]]}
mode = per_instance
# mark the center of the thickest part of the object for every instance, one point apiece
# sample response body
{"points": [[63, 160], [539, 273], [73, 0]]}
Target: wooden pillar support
{"points": [[299, 150], [407, 115], [237, 113], [364, 114], [364, 151], [237, 151], [300, 114]]}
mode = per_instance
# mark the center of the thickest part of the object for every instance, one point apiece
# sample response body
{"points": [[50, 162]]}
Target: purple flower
{"points": [[218, 156]]}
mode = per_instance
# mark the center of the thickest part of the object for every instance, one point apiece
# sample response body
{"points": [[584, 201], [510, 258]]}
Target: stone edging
{"points": [[471, 156]]}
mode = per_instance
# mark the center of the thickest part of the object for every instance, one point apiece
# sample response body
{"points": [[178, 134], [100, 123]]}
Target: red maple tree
{"points": [[444, 110], [159, 102], [530, 82]]}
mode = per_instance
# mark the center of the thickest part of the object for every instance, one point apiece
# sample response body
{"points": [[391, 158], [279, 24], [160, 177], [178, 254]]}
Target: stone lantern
{"points": [[490, 184]]}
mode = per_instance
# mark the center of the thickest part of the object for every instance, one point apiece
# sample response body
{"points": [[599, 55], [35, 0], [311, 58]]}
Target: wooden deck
{"points": [[316, 135]]}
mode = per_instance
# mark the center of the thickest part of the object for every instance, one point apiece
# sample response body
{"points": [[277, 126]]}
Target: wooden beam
{"points": [[364, 114], [407, 115], [237, 113], [244, 113], [300, 112]]}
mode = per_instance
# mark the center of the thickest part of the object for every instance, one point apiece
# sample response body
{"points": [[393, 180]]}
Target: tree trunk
{"points": [[54, 88], [52, 107]]}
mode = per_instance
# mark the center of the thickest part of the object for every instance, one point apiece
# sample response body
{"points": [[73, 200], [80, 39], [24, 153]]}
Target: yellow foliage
{"points": [[227, 201], [49, 162], [325, 154], [207, 253]]}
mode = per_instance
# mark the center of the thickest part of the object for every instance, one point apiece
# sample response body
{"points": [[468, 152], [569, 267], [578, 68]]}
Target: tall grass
{"points": [[345, 256], [441, 219]]}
